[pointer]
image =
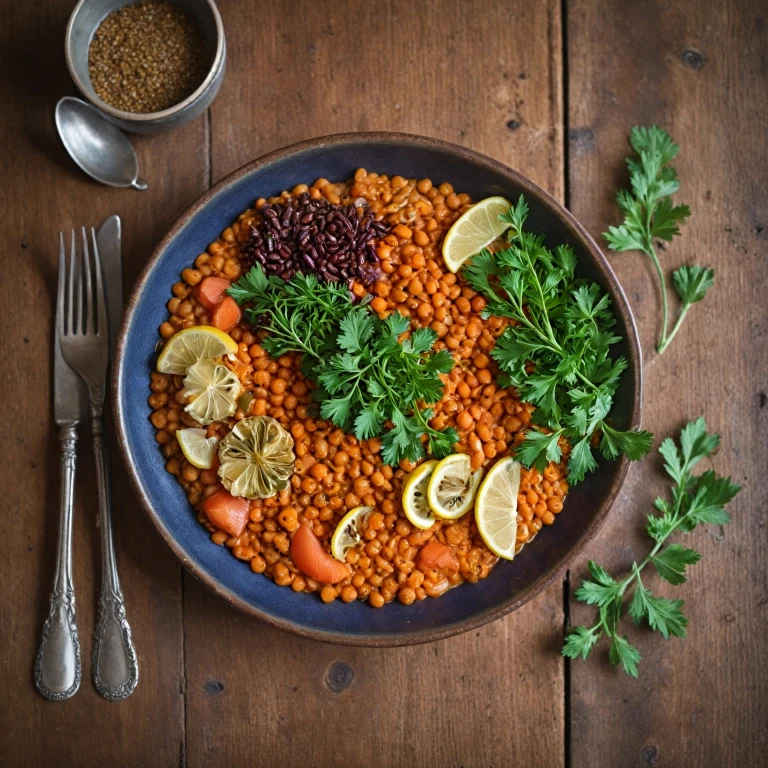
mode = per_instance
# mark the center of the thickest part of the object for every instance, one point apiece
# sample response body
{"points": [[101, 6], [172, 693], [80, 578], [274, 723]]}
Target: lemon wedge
{"points": [[198, 449], [475, 229], [496, 508], [256, 458], [213, 389], [192, 344], [415, 503], [348, 533], [452, 486]]}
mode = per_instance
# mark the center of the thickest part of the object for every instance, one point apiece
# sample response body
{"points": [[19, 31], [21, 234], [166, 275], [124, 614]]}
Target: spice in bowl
{"points": [[147, 57]]}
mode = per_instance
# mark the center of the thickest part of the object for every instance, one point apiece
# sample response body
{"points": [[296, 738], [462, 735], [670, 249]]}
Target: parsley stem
{"points": [[663, 345], [651, 252], [550, 334], [585, 379], [659, 544]]}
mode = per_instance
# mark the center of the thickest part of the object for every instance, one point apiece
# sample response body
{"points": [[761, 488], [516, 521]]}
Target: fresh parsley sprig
{"points": [[694, 500], [376, 378], [369, 381], [301, 315], [649, 214], [557, 354]]}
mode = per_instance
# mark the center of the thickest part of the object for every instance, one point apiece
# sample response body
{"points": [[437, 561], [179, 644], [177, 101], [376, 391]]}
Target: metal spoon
{"points": [[97, 146]]}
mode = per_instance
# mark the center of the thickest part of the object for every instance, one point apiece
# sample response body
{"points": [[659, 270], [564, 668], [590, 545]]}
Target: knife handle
{"points": [[57, 667], [115, 666]]}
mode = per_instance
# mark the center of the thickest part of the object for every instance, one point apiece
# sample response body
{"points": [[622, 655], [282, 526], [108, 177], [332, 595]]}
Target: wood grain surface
{"points": [[551, 90]]}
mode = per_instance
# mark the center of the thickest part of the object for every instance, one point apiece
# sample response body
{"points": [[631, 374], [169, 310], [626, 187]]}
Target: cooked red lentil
{"points": [[335, 472]]}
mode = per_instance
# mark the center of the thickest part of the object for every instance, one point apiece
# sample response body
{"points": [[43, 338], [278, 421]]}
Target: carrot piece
{"points": [[228, 512], [309, 556], [227, 315], [211, 292], [436, 555]]}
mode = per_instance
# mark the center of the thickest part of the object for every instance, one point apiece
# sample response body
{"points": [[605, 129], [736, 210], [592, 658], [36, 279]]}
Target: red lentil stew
{"points": [[389, 231]]}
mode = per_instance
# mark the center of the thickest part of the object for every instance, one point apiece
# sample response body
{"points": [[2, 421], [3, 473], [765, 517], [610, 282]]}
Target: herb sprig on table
{"points": [[650, 215], [694, 500], [367, 376], [557, 354]]}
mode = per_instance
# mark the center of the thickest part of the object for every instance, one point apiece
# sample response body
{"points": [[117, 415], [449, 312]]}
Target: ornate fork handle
{"points": [[115, 666], [57, 667]]}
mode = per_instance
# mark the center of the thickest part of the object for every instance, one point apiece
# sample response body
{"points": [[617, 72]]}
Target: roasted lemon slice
{"points": [[348, 533], [198, 449], [192, 344], [213, 389], [415, 502], [256, 458], [496, 508], [452, 487], [475, 229]]}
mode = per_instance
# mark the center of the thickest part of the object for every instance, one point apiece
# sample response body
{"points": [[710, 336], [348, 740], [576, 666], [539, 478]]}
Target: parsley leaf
{"points": [[581, 461], [402, 441], [356, 329], [621, 652], [538, 449], [663, 615], [601, 591], [692, 284], [696, 443], [368, 422], [694, 500], [421, 341], [634, 444], [338, 410], [672, 561], [712, 494], [649, 215], [441, 443], [580, 641]]}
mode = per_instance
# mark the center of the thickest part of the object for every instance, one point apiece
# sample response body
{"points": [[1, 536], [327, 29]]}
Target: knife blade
{"points": [[109, 243]]}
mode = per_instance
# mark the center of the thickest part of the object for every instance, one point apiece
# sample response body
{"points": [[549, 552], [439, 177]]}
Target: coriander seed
{"points": [[147, 57]]}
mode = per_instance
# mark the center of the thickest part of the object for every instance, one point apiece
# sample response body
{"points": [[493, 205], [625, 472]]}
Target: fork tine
{"points": [[70, 288], [101, 304], [86, 277], [61, 288]]}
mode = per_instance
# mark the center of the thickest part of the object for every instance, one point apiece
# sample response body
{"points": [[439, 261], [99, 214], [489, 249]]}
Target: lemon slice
{"points": [[256, 458], [198, 449], [476, 228], [213, 389], [348, 533], [453, 486], [496, 508], [415, 503], [192, 344]]}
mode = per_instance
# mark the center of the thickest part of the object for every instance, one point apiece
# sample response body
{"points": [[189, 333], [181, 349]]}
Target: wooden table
{"points": [[551, 89]]}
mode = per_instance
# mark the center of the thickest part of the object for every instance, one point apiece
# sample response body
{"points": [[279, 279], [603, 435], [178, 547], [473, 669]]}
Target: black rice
{"points": [[317, 237]]}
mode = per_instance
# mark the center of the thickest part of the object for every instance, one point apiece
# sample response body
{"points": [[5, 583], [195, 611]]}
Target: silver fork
{"points": [[85, 346], [57, 664]]}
